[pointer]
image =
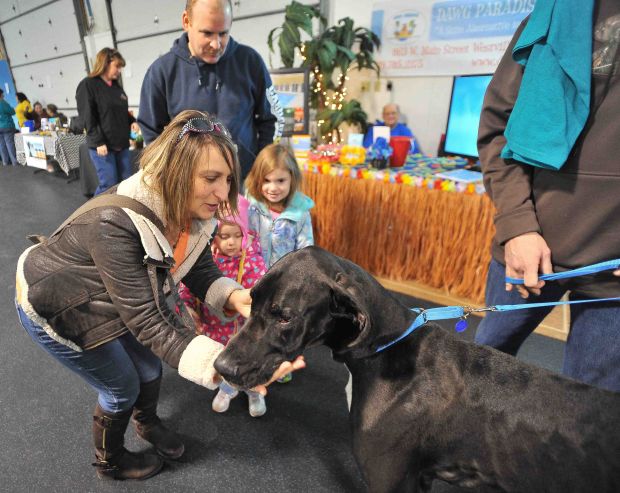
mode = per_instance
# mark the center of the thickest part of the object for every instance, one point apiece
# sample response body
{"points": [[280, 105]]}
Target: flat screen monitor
{"points": [[464, 115]]}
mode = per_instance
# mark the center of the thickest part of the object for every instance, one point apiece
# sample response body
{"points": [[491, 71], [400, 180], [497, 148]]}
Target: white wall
{"points": [[423, 101], [43, 46]]}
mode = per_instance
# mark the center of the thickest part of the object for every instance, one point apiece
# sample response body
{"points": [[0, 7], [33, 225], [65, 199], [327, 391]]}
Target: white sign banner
{"points": [[453, 37], [34, 147]]}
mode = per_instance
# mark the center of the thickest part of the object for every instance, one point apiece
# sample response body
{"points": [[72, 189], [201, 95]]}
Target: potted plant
{"points": [[329, 56]]}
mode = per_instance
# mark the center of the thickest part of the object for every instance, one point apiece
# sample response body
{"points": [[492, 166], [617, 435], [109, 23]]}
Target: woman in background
{"points": [[23, 107], [103, 107], [40, 110], [37, 113], [52, 111], [7, 132]]}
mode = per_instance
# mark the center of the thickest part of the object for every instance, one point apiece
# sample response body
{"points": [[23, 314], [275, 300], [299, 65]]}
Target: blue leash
{"points": [[581, 271], [462, 312]]}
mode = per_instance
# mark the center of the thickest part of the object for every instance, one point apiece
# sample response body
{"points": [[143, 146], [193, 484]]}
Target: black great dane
{"points": [[431, 406]]}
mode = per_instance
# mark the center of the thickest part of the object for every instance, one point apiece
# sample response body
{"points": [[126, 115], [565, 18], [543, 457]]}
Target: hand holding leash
{"points": [[526, 255]]}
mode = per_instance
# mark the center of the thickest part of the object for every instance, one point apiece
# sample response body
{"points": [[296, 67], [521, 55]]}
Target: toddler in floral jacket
{"points": [[237, 253]]}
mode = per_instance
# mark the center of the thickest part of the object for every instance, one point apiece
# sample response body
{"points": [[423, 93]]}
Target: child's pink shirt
{"points": [[255, 268]]}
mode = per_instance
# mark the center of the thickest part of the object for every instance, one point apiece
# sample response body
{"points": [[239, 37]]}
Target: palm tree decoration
{"points": [[329, 56]]}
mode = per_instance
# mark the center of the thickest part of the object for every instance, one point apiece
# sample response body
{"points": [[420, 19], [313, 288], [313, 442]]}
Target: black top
{"points": [[105, 112]]}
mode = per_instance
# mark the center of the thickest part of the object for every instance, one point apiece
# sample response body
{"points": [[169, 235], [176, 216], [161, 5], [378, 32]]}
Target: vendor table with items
{"points": [[64, 148]]}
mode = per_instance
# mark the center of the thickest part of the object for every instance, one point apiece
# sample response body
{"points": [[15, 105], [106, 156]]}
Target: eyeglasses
{"points": [[203, 126]]}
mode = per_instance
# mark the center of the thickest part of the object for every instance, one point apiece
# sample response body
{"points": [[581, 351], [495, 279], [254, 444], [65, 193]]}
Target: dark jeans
{"points": [[7, 146], [592, 352], [111, 169], [114, 369]]}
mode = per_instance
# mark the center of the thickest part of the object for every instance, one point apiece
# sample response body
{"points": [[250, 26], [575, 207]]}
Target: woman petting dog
{"points": [[92, 294]]}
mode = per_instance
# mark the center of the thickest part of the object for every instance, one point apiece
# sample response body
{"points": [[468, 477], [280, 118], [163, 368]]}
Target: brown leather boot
{"points": [[149, 426], [114, 461]]}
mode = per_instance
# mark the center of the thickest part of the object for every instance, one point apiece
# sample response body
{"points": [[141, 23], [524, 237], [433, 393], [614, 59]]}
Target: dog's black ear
{"points": [[351, 323]]}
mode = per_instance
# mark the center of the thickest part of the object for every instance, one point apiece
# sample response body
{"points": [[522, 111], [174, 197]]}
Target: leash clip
{"points": [[461, 325], [470, 309]]}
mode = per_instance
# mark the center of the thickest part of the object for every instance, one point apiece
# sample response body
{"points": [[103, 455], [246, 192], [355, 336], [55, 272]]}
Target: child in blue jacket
{"points": [[278, 211]]}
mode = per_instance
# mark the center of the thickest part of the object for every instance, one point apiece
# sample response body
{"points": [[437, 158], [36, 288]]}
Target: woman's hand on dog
{"points": [[285, 368], [240, 301]]}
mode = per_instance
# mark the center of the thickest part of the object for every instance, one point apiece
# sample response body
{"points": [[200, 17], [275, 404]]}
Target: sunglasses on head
{"points": [[203, 126]]}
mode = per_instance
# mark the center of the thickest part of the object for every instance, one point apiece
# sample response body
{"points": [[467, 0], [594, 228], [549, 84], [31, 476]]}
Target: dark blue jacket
{"points": [[237, 89]]}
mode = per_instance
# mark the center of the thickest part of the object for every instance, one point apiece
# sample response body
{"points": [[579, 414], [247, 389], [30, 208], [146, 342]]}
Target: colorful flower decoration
{"points": [[352, 155], [419, 171]]}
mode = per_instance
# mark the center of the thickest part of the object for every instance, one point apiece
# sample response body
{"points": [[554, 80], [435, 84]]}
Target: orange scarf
{"points": [[179, 249]]}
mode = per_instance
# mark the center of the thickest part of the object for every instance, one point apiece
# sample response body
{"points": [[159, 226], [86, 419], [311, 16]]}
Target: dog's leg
{"points": [[387, 473]]}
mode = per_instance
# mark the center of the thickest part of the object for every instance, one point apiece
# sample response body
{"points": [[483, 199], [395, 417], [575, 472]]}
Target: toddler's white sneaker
{"points": [[256, 404], [222, 400]]}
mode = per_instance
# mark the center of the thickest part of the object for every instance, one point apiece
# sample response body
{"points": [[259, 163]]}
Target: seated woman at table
{"points": [[102, 104], [36, 114], [52, 111], [40, 110], [391, 117]]}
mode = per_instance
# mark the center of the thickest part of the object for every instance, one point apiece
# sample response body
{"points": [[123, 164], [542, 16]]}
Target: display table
{"points": [[61, 147], [401, 225]]}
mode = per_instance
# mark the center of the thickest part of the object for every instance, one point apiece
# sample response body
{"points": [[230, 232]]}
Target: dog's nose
{"points": [[226, 367]]}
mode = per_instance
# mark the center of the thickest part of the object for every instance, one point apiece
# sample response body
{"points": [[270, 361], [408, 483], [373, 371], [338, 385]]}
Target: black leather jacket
{"points": [[89, 285]]}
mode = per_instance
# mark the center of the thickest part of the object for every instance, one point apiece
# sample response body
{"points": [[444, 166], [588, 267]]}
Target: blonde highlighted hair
{"points": [[272, 157], [169, 165], [104, 58]]}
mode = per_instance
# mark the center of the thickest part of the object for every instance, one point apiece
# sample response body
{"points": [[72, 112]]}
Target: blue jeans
{"points": [[7, 146], [115, 369], [592, 351], [111, 169]]}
